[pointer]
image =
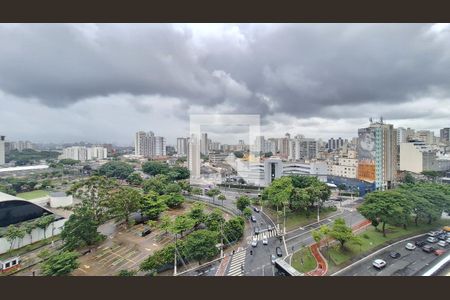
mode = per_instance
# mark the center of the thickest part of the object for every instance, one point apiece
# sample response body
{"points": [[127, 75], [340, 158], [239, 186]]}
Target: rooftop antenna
{"points": [[381, 119]]}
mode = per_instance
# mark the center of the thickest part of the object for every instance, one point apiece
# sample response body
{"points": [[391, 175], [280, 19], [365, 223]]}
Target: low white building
{"points": [[16, 211], [82, 153], [417, 156]]}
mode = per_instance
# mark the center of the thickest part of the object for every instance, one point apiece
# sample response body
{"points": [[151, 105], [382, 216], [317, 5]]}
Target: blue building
{"points": [[363, 187]]}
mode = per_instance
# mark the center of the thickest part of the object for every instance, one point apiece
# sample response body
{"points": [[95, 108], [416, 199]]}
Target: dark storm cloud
{"points": [[303, 70]]}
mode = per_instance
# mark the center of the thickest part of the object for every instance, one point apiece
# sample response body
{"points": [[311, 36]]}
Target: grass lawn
{"points": [[33, 194], [303, 260], [298, 219], [374, 239]]}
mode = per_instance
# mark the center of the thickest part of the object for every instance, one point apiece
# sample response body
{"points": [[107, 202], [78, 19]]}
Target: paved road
{"points": [[409, 264]]}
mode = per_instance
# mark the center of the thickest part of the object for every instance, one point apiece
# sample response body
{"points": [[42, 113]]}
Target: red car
{"points": [[439, 252]]}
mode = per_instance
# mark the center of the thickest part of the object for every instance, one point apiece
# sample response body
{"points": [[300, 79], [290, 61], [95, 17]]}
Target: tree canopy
{"points": [[116, 169]]}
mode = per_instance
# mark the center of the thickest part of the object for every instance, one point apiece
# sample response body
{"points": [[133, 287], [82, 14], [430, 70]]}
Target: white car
{"points": [[410, 246], [433, 233], [448, 240], [265, 241], [254, 243], [442, 244], [432, 239], [379, 264]]}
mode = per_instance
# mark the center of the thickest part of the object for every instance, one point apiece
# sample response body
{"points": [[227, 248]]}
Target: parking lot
{"points": [[408, 264], [124, 251]]}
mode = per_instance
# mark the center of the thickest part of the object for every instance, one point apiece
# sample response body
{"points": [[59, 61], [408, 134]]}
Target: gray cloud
{"points": [[281, 71]]}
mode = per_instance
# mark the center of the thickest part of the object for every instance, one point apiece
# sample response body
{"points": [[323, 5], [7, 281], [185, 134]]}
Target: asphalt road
{"points": [[409, 264]]}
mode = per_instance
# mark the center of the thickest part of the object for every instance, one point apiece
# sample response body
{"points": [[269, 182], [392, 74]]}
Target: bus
{"points": [[285, 269]]}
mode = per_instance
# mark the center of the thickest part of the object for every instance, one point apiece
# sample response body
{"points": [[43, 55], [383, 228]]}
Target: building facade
{"points": [[378, 154], [182, 146], [82, 153], [444, 135], [2, 150], [194, 162], [146, 144]]}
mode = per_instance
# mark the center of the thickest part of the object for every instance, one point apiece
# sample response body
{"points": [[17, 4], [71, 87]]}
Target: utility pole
{"points": [[221, 240], [175, 261], [284, 214]]}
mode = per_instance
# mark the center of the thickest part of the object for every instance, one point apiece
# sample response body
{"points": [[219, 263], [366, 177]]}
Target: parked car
{"points": [[253, 219], [379, 264], [448, 240], [433, 233], [442, 244], [265, 241], [279, 252], [439, 252], [420, 243], [256, 209], [410, 246], [394, 254], [428, 248], [146, 232], [432, 239], [442, 236]]}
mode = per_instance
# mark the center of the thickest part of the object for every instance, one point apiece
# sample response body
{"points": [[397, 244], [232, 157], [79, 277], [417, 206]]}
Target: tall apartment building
{"points": [[345, 167], [378, 154], [401, 135], [336, 144], [283, 147], [182, 146], [194, 162], [204, 147], [444, 135], [148, 145], [2, 150], [96, 153], [426, 136]]}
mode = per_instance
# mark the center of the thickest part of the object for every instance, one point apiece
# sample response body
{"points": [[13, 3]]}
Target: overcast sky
{"points": [[103, 82]]}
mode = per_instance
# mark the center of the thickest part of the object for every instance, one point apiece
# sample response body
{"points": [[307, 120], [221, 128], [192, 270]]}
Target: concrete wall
{"points": [[410, 158], [36, 235]]}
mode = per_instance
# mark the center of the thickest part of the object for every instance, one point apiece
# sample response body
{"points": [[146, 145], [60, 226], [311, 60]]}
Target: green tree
{"points": [[165, 223], [182, 224], [172, 200], [155, 168], [68, 161], [317, 235], [116, 169], [135, 179], [242, 202], [43, 222], [279, 192], [60, 264], [96, 193], [233, 229], [157, 184], [172, 188], [124, 202], [213, 193], [160, 258], [152, 205], [196, 191], [341, 232], [179, 173], [247, 212], [222, 198], [197, 213], [201, 245], [409, 179], [12, 234], [80, 229], [28, 228], [214, 220]]}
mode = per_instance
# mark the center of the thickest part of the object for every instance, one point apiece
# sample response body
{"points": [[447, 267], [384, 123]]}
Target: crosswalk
{"points": [[263, 235], [237, 261]]}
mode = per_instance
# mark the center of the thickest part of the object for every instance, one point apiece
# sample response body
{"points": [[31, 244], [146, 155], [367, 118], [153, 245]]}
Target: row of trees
{"points": [[417, 202], [154, 168], [200, 243], [299, 193], [15, 233]]}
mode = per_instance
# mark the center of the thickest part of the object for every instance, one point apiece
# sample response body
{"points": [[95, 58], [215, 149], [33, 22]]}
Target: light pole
{"points": [[175, 261], [318, 212]]}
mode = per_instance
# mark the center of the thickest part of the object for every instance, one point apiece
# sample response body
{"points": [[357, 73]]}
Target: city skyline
{"points": [[321, 80]]}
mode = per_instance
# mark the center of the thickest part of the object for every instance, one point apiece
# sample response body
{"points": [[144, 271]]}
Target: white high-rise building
{"points": [[148, 145], [2, 150], [97, 153], [182, 146], [194, 157]]}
